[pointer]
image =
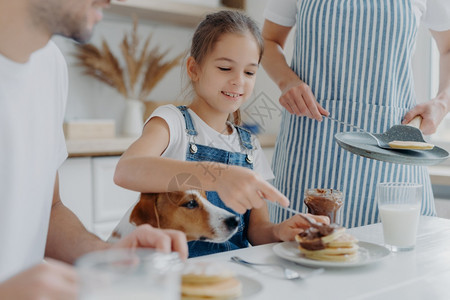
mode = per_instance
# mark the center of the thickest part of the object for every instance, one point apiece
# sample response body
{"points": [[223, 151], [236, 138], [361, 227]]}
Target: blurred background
{"points": [[87, 174]]}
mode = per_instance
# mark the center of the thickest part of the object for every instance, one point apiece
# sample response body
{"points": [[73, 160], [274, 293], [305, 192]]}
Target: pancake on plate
{"points": [[411, 145], [328, 243], [203, 280]]}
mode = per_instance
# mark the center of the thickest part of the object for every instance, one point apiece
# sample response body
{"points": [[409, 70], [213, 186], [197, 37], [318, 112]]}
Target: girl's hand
{"points": [[242, 189], [287, 230], [298, 99], [432, 113]]}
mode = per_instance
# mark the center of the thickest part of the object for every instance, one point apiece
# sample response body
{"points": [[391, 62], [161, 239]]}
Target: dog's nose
{"points": [[232, 222]]}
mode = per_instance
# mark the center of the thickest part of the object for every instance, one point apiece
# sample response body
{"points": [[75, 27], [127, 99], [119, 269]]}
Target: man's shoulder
{"points": [[50, 53]]}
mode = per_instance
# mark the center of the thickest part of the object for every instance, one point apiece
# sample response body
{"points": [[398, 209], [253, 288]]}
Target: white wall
{"points": [[421, 65], [89, 98], [266, 91]]}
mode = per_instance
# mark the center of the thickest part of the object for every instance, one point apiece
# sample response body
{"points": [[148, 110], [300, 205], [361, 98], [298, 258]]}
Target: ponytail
{"points": [[235, 118]]}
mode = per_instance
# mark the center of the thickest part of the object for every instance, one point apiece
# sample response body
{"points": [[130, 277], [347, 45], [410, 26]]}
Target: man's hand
{"points": [[50, 280], [298, 99], [165, 240]]}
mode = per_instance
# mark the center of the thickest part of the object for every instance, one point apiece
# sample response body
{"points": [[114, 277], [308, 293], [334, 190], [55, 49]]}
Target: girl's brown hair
{"points": [[217, 24]]}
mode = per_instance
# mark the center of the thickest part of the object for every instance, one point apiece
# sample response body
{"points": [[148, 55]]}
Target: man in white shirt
{"points": [[33, 92]]}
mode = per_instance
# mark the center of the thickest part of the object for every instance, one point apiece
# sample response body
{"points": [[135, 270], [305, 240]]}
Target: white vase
{"points": [[133, 118]]}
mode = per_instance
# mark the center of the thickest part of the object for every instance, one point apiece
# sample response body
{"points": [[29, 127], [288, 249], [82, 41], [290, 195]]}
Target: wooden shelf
{"points": [[182, 14]]}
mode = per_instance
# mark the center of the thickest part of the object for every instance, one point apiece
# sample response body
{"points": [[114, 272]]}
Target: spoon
{"points": [[397, 133]]}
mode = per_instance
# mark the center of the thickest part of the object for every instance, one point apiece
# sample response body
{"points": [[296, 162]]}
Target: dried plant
{"points": [[144, 69]]}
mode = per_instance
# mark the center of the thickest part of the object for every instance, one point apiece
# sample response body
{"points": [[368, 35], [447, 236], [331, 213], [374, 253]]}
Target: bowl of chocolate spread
{"points": [[324, 202]]}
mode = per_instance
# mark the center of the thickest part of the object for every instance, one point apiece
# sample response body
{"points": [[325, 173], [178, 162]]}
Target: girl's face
{"points": [[227, 74]]}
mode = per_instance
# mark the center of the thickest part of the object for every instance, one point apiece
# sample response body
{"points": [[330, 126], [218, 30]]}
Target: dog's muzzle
{"points": [[232, 222]]}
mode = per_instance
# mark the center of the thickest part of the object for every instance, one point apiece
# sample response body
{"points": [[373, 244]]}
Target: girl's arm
{"points": [[434, 111], [296, 96], [141, 168], [262, 231]]}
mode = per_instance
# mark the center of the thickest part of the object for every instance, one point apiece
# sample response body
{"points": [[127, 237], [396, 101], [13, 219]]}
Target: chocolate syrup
{"points": [[312, 237], [324, 202]]}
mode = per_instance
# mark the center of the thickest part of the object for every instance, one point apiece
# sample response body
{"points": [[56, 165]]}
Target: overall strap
{"points": [[190, 129], [245, 137]]}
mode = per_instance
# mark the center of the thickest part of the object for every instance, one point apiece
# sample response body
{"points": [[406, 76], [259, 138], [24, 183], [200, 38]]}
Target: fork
{"points": [[288, 273]]}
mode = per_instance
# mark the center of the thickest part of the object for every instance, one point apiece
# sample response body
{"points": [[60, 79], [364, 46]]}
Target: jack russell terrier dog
{"points": [[188, 211]]}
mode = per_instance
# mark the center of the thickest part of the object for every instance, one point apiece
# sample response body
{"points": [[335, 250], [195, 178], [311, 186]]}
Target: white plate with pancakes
{"points": [[368, 253]]}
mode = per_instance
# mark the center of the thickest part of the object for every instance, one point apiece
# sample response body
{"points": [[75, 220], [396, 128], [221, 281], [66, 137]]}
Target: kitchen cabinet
{"points": [[268, 152], [87, 188], [171, 12], [75, 188]]}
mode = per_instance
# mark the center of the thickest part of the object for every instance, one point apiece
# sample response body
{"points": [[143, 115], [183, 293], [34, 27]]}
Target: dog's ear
{"points": [[144, 212]]}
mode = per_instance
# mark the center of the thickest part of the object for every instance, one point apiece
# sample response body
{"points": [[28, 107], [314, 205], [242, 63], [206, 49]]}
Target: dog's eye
{"points": [[191, 204]]}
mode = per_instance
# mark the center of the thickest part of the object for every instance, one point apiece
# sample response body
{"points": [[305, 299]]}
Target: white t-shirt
{"points": [[435, 14], [179, 141], [32, 104]]}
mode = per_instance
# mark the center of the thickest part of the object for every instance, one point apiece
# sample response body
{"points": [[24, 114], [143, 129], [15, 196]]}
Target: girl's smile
{"points": [[232, 95]]}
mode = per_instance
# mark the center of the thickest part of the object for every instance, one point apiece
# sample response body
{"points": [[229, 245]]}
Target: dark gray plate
{"points": [[362, 144]]}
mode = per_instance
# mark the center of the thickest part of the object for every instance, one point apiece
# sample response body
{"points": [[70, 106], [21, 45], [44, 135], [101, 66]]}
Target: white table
{"points": [[423, 273]]}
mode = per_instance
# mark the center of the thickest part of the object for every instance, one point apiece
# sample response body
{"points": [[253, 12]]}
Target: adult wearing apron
{"points": [[352, 60]]}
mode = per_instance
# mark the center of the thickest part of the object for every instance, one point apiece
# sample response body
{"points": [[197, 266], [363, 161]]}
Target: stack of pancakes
{"points": [[327, 242], [204, 280]]}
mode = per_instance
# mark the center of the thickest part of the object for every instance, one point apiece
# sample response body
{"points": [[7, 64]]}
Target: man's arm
{"points": [[296, 95], [435, 110], [67, 237], [442, 39]]}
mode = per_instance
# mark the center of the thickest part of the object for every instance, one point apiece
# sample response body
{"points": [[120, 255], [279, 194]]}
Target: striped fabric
{"points": [[356, 57]]}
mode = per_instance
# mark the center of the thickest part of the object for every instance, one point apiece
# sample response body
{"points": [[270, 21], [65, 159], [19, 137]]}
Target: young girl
{"points": [[200, 142]]}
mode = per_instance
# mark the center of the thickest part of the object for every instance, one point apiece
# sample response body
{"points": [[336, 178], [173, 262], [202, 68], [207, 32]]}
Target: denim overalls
{"points": [[196, 152]]}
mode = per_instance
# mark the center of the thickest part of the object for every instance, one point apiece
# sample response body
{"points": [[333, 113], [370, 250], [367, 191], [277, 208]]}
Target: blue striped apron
{"points": [[356, 57]]}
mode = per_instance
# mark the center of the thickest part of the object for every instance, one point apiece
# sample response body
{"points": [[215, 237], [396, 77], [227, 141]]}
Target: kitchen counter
{"points": [[117, 145], [440, 175], [98, 147]]}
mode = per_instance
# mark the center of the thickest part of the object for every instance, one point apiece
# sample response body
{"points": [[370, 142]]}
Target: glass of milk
{"points": [[117, 274], [399, 208]]}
